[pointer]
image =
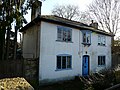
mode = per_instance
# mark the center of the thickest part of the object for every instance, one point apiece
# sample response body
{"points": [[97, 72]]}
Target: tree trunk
{"points": [[15, 43], [2, 44], [7, 43]]}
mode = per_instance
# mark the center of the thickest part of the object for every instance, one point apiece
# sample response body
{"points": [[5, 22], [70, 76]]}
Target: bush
{"points": [[108, 80]]}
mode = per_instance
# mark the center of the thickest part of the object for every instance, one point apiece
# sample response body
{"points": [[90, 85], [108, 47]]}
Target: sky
{"points": [[48, 5]]}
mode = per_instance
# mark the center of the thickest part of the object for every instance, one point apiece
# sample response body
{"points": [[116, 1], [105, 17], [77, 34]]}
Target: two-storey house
{"points": [[65, 48]]}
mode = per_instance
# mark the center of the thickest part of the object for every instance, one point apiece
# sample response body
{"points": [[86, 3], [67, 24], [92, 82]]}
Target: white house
{"points": [[65, 48]]}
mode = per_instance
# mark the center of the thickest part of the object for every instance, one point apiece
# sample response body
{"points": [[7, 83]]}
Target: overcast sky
{"points": [[48, 5]]}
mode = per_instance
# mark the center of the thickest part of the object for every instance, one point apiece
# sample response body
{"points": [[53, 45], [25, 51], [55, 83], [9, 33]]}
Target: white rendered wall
{"points": [[50, 48], [95, 50]]}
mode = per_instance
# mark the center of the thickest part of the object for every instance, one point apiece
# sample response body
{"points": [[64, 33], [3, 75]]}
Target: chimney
{"points": [[36, 9], [94, 24]]}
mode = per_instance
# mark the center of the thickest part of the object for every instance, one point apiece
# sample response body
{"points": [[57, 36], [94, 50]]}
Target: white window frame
{"points": [[101, 60], [61, 65], [87, 38], [64, 36], [101, 40]]}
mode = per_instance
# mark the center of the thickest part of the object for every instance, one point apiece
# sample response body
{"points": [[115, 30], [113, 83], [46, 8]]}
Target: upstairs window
{"points": [[64, 62], [101, 60], [101, 40], [86, 37], [64, 34]]}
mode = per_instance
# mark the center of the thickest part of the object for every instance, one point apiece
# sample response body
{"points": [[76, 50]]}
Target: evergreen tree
{"points": [[11, 11]]}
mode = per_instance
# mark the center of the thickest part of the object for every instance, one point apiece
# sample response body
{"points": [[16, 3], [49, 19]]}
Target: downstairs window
{"points": [[64, 62], [101, 60]]}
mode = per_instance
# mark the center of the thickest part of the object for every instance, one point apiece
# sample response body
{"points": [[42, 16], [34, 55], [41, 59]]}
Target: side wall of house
{"points": [[31, 42]]}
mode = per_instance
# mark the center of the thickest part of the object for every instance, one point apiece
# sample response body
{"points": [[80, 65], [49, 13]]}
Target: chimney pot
{"points": [[94, 24]]}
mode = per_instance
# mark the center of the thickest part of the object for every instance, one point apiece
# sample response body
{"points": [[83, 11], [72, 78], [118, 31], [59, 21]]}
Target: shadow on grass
{"points": [[67, 85]]}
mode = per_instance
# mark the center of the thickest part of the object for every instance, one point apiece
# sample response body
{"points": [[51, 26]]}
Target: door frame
{"points": [[88, 64]]}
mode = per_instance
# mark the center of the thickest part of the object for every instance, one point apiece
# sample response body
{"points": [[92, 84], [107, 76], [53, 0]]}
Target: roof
{"points": [[63, 21]]}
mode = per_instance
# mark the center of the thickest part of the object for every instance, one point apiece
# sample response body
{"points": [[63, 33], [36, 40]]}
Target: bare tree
{"points": [[85, 17], [70, 12], [107, 14]]}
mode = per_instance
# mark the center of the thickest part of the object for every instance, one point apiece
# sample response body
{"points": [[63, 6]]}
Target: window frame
{"points": [[87, 33], [66, 66], [101, 40], [64, 30], [101, 60]]}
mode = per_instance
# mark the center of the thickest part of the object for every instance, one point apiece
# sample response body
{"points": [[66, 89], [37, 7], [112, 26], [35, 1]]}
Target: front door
{"points": [[85, 67]]}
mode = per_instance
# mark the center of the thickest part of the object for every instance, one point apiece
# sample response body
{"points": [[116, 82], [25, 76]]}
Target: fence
{"points": [[11, 68], [27, 68]]}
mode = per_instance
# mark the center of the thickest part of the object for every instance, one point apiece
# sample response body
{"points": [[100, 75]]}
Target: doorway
{"points": [[85, 65]]}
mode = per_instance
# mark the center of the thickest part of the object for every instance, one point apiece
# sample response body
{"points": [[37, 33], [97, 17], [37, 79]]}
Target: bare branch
{"points": [[66, 11], [106, 13]]}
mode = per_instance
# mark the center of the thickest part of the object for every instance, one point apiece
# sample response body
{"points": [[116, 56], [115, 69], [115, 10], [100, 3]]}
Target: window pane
{"points": [[104, 40], [99, 41], [98, 60], [58, 62], [103, 60], [59, 33], [68, 61], [88, 37], [84, 37], [63, 62], [64, 35], [69, 35]]}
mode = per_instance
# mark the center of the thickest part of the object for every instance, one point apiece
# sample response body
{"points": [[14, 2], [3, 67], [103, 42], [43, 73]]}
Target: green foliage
{"points": [[13, 10]]}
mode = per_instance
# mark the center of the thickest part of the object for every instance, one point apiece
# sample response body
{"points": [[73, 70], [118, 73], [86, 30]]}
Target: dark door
{"points": [[85, 67]]}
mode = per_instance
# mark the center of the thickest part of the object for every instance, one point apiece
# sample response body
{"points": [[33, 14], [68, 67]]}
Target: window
{"points": [[101, 60], [101, 40], [64, 34], [86, 37], [64, 62]]}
